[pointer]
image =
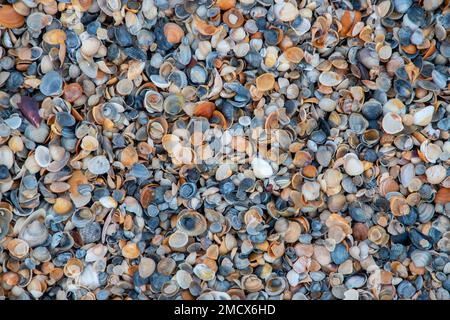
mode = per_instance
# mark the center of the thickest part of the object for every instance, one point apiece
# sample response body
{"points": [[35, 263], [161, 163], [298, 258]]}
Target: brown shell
{"points": [[204, 109], [238, 18], [9, 18]]}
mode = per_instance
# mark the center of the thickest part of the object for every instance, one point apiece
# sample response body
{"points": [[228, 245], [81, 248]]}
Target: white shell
{"points": [[285, 11], [261, 168], [392, 123], [98, 165], [424, 116], [436, 174], [352, 165], [310, 190], [42, 156], [6, 157]]}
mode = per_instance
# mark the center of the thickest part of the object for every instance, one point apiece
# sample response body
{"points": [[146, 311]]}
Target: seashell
{"points": [[252, 283], [90, 47], [423, 117], [442, 196], [421, 258], [30, 109], [34, 233], [183, 278], [261, 168], [73, 268], [6, 157], [265, 82], [130, 251], [51, 84], [191, 223], [357, 123], [55, 36], [233, 18], [37, 286], [178, 240], [82, 5], [352, 165], [173, 33], [42, 156], [436, 174], [310, 190], [98, 165], [204, 272], [330, 79], [294, 54], [146, 267], [18, 248], [327, 104], [275, 285], [392, 123], [285, 11], [204, 109], [41, 254], [378, 235], [9, 18], [431, 152], [62, 206]]}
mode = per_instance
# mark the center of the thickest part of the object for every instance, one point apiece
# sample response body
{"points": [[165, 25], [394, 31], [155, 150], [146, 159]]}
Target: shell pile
{"points": [[224, 149]]}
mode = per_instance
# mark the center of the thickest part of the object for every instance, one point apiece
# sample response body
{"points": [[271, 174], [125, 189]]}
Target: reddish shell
{"points": [[9, 18], [72, 92], [442, 196], [204, 109]]}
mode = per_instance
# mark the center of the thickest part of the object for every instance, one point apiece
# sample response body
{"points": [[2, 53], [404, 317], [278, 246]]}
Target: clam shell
{"points": [[192, 223], [392, 123], [9, 18], [423, 117], [261, 168], [352, 165]]}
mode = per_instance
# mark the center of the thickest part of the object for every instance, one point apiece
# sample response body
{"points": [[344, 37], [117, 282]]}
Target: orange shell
{"points": [[442, 196], [409, 49], [55, 36], [9, 18], [226, 4], [265, 82], [130, 251], [347, 22], [294, 54], [173, 33], [129, 156], [204, 109]]}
